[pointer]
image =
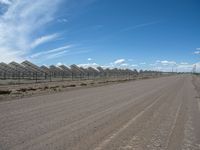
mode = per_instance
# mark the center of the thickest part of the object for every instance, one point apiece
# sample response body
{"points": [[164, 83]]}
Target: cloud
{"points": [[197, 52], [197, 66], [111, 65], [43, 39], [119, 61], [89, 59], [59, 64], [140, 26], [56, 55], [93, 65], [7, 2], [168, 66], [20, 25], [124, 65], [143, 63], [134, 65], [166, 63], [152, 64], [185, 67], [51, 52], [60, 52], [63, 20], [184, 63]]}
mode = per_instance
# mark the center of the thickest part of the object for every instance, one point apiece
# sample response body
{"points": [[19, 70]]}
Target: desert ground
{"points": [[152, 114], [11, 89]]}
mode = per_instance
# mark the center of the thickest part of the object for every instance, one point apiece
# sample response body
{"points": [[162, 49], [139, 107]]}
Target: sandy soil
{"points": [[153, 114], [17, 91]]}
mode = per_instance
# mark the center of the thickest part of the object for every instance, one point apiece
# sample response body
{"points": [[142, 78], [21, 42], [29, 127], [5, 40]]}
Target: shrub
{"points": [[83, 84], [4, 92]]}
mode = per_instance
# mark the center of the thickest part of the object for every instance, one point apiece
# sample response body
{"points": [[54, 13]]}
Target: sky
{"points": [[161, 35]]}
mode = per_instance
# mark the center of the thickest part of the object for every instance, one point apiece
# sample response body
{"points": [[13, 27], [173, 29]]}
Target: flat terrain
{"points": [[17, 91], [153, 114]]}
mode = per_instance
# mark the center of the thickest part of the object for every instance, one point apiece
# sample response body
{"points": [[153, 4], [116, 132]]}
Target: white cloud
{"points": [[56, 55], [63, 20], [197, 52], [134, 65], [184, 63], [124, 65], [168, 66], [140, 26], [153, 64], [166, 63], [43, 39], [93, 65], [51, 52], [143, 63], [7, 2], [185, 67], [20, 24], [119, 61], [197, 66], [89, 59], [59, 64], [110, 66]]}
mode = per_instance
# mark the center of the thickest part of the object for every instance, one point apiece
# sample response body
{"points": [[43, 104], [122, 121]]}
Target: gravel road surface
{"points": [[152, 114]]}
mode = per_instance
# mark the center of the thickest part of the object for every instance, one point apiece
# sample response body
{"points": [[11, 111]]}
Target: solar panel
{"points": [[6, 67], [65, 69], [93, 70], [2, 73], [100, 69], [29, 70], [22, 71], [8, 71], [18, 67], [53, 68], [45, 69], [83, 70], [77, 72], [75, 69], [55, 71], [32, 67]]}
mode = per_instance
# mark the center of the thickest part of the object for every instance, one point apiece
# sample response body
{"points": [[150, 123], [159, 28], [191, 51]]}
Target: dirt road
{"points": [[153, 114]]}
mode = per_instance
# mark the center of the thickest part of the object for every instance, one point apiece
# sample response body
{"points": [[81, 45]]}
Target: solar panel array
{"points": [[30, 71]]}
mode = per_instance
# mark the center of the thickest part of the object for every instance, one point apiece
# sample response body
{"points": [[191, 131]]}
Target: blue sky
{"points": [[141, 34]]}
